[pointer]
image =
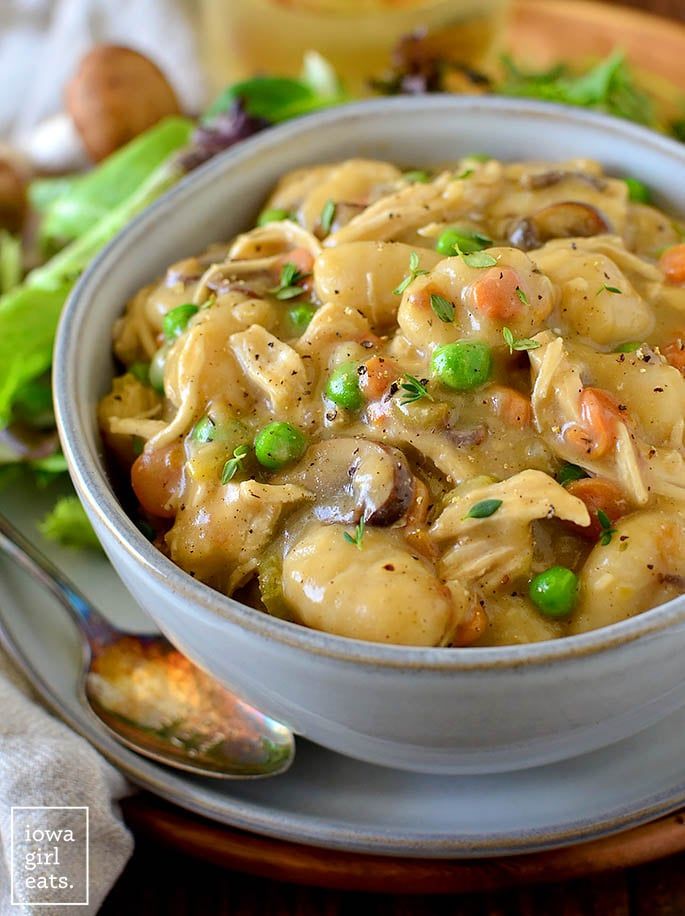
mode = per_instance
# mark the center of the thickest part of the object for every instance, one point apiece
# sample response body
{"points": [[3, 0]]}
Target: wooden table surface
{"points": [[160, 882]]}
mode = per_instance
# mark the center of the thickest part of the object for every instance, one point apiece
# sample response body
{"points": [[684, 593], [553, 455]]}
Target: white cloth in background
{"points": [[42, 762], [41, 42]]}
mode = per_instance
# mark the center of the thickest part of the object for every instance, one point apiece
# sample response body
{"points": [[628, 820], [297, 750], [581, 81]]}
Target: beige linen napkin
{"points": [[44, 763]]}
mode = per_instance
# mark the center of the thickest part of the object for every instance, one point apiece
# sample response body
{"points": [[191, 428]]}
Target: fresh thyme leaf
{"points": [[521, 293], [608, 289], [231, 467], [567, 473], [484, 509], [358, 536], [327, 216], [403, 285], [414, 389], [468, 241], [414, 272], [518, 343], [289, 292], [288, 273], [608, 530], [476, 258], [442, 307], [288, 284]]}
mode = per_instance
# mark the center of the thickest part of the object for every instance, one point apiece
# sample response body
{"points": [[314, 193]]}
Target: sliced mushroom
{"points": [[382, 484], [467, 435], [344, 212], [540, 180], [568, 219], [355, 478]]}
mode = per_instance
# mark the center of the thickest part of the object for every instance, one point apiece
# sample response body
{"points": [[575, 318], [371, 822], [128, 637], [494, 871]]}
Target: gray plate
{"points": [[329, 800]]}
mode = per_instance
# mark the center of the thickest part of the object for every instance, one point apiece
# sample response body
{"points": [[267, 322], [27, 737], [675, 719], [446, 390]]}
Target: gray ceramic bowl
{"points": [[436, 710]]}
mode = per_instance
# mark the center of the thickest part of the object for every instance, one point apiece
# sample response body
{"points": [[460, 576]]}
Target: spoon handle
{"points": [[94, 627]]}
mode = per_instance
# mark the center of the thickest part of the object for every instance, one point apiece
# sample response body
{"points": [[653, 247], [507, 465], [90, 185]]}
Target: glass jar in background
{"points": [[245, 37]]}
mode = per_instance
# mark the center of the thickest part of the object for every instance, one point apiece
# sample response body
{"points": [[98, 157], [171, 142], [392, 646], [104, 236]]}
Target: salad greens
{"points": [[608, 86], [68, 524], [10, 261], [78, 205], [277, 99]]}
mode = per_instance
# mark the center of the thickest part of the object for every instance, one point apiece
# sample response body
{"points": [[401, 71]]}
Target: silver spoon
{"points": [[152, 698]]}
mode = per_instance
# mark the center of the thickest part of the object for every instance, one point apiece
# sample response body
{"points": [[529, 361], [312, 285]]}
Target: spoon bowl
{"points": [[152, 698]]}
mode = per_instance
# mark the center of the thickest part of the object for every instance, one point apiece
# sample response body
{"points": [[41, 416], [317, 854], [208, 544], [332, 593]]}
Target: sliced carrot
{"points": [[302, 258], [472, 629], [379, 372], [421, 298], [511, 406], [672, 262], [156, 479], [674, 352], [495, 294], [600, 415], [598, 494]]}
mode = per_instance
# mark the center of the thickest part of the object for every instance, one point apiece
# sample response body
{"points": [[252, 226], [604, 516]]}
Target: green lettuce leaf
{"points": [[81, 203], [68, 524]]}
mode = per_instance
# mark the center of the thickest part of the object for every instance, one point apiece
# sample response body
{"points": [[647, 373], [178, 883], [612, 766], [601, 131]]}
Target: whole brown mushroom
{"points": [[13, 202], [116, 94]]}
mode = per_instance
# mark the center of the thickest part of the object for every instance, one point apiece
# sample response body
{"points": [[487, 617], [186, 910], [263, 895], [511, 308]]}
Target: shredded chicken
{"points": [[220, 532], [272, 366], [489, 552], [638, 466]]}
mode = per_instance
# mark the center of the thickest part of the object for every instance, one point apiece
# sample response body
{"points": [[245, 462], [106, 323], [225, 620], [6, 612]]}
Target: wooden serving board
{"points": [[542, 32], [154, 819]]}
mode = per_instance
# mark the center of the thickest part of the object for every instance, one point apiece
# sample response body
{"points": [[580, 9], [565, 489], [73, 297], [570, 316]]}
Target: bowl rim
{"points": [[201, 600]]}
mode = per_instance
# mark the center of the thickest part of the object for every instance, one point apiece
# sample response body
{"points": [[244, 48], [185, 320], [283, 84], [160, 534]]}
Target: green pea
{"points": [[447, 242], [554, 592], [299, 317], [204, 430], [174, 322], [629, 347], [462, 365], [567, 473], [277, 444], [227, 430], [273, 215], [343, 387], [141, 371], [157, 365], [468, 240], [637, 191]]}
